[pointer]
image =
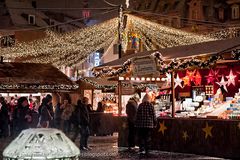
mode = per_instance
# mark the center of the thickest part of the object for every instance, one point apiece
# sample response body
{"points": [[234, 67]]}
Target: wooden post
{"points": [[119, 98], [173, 93]]}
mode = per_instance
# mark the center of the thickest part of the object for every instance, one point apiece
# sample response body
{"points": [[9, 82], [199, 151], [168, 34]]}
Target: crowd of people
{"points": [[18, 114]]}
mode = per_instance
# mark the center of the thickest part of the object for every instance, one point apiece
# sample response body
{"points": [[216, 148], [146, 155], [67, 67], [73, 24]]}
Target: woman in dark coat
{"points": [[22, 115], [145, 122]]}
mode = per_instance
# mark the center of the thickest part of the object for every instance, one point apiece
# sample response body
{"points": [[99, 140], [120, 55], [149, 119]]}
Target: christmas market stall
{"points": [[103, 100], [33, 81], [203, 83]]}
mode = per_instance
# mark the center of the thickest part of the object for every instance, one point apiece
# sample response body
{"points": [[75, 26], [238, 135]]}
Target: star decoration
{"points": [[190, 75], [231, 78], [198, 79], [162, 127], [239, 125], [212, 76], [186, 81], [223, 83], [207, 130], [168, 79], [178, 82], [185, 135]]}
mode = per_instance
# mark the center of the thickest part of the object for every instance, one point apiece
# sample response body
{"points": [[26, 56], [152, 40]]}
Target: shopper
{"points": [[22, 115], [100, 107], [4, 118], [57, 115], [67, 112], [145, 122], [45, 113], [84, 125], [131, 110], [75, 120]]}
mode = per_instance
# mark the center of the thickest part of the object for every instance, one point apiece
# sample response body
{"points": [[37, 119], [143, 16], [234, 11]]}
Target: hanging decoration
{"points": [[190, 76], [98, 86], [207, 130], [231, 78], [198, 79], [212, 77], [168, 79], [178, 82], [186, 81], [236, 54], [163, 66], [223, 84]]}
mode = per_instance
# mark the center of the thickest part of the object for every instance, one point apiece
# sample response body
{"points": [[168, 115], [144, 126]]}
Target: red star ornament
{"points": [[190, 74], [198, 79]]}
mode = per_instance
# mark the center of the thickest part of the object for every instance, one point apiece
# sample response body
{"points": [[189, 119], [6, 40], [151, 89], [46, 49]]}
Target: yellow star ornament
{"points": [[207, 130], [185, 135], [162, 127]]}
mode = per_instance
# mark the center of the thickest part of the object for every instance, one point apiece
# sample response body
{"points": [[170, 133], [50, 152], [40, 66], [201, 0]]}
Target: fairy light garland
{"points": [[163, 67]]}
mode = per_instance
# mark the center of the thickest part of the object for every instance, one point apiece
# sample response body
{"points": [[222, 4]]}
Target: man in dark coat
{"points": [[84, 125], [4, 117], [131, 110]]}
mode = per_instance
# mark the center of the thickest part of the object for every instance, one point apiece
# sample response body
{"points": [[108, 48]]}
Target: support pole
{"points": [[120, 31], [173, 93], [119, 98]]}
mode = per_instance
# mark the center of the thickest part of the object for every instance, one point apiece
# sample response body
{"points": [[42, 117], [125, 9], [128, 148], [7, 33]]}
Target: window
{"points": [[31, 19], [221, 14], [235, 12]]}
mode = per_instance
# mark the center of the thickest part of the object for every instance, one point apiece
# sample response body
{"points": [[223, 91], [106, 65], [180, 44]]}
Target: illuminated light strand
{"points": [[166, 36]]}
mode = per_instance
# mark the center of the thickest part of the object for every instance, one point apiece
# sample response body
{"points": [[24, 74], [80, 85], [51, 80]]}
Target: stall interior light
{"points": [[121, 78], [153, 79], [148, 79], [137, 79], [132, 79], [158, 79], [127, 78], [143, 78]]}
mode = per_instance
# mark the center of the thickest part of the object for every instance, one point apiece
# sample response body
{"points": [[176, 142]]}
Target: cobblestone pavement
{"points": [[105, 148]]}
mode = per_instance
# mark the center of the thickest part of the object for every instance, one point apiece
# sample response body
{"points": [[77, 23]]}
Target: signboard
{"points": [[127, 89], [144, 66]]}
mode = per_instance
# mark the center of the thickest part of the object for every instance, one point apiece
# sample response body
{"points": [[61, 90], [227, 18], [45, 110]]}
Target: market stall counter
{"points": [[102, 124], [213, 137]]}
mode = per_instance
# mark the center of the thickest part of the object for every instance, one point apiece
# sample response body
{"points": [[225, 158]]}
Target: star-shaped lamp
{"points": [[231, 78], [198, 79], [178, 82], [223, 83]]}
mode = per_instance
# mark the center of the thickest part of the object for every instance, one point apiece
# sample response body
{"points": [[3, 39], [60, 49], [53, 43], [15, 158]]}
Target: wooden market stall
{"points": [[193, 131], [100, 91], [31, 78]]}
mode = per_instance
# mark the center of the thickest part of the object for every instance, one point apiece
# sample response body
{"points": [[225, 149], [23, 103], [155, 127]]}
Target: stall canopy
{"points": [[204, 48], [95, 83], [31, 77]]}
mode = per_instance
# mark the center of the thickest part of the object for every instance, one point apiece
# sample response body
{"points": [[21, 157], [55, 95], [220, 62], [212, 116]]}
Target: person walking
{"points": [[145, 122], [131, 111], [84, 125]]}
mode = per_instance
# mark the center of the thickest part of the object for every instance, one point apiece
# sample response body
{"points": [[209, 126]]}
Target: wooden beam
{"points": [[173, 93]]}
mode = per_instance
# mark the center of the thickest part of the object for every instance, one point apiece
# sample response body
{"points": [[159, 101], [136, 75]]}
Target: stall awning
{"points": [[31, 77]]}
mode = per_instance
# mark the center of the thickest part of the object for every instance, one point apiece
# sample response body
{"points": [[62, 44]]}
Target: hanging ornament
{"points": [[178, 82], [223, 84], [231, 78], [186, 81], [198, 79], [167, 79], [190, 74], [212, 76]]}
